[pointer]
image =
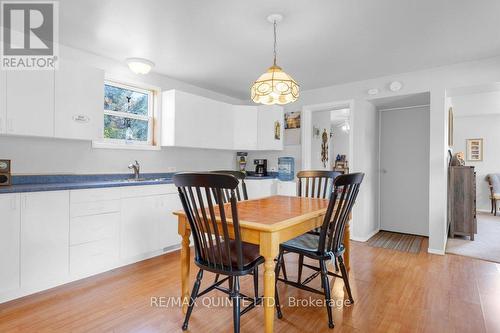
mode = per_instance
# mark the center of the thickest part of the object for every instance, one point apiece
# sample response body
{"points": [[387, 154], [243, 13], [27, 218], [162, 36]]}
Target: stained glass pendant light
{"points": [[275, 86]]}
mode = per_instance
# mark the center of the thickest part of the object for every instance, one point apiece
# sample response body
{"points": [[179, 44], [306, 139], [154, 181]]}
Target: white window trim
{"points": [[153, 119]]}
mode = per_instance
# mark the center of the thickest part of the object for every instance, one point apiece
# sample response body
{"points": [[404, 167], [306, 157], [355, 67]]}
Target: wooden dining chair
{"points": [[328, 245], [313, 184], [241, 190], [202, 196]]}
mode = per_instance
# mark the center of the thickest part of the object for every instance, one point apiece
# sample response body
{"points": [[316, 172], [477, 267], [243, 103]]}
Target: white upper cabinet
{"points": [[10, 219], [245, 127], [268, 118], [194, 121], [79, 101], [30, 102], [3, 103]]}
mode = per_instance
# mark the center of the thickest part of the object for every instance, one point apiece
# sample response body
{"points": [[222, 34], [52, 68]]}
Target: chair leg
{"points": [[283, 267], [276, 296], [301, 265], [495, 207], [236, 304], [256, 282], [491, 200], [194, 294], [326, 287], [345, 277]]}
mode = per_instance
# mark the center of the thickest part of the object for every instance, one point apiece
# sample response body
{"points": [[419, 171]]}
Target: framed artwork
{"points": [[474, 150], [292, 120], [277, 130], [450, 127]]}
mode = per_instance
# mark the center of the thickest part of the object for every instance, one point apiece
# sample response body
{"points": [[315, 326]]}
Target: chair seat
{"points": [[250, 255], [307, 244]]}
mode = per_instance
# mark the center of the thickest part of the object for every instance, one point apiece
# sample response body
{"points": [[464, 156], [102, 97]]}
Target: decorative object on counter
{"points": [[5, 177], [341, 164], [241, 161], [286, 168], [275, 86], [292, 120], [260, 167], [458, 159], [474, 150], [277, 130], [494, 186], [450, 127], [324, 148]]}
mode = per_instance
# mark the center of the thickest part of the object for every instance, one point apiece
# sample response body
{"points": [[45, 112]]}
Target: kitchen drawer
{"points": [[95, 194], [148, 190], [94, 208], [93, 257], [86, 229]]}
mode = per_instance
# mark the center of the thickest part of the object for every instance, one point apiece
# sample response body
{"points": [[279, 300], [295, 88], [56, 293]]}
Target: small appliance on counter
{"points": [[241, 161], [260, 167], [286, 166], [5, 177]]}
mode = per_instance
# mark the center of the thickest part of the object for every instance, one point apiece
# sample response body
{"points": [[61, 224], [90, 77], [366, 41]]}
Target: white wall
{"points": [[477, 115], [339, 144], [437, 81], [487, 127], [321, 120], [36, 155]]}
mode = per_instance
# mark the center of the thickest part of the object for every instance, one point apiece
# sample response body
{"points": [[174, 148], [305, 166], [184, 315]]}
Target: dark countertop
{"points": [[40, 183]]}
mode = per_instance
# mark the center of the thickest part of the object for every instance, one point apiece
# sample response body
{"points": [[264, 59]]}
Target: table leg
{"points": [[185, 261], [347, 245], [269, 247]]}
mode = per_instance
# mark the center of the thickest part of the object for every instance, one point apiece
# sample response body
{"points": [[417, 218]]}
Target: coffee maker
{"points": [[260, 167]]}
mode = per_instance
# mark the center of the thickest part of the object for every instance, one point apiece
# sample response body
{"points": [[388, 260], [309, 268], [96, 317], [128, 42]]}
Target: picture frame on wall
{"points": [[474, 150], [292, 120]]}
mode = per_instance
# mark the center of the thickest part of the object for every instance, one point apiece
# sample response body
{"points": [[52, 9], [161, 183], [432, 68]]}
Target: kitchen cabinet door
{"points": [[139, 227], [44, 238], [288, 188], [79, 101], [3, 102], [268, 116], [30, 102], [167, 221], [10, 220], [245, 127], [260, 188]]}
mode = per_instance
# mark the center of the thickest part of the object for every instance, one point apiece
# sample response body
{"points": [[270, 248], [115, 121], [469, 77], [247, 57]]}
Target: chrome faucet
{"points": [[136, 168]]}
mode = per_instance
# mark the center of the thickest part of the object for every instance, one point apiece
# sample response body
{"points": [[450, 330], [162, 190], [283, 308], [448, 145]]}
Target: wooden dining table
{"points": [[266, 222]]}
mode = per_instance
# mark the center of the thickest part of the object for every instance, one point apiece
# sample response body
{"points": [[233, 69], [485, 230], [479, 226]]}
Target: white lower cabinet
{"points": [[288, 188], [259, 188], [167, 222], [44, 238], [10, 222]]}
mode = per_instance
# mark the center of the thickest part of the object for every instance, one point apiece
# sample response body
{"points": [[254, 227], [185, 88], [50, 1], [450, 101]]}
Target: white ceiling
{"points": [[225, 45]]}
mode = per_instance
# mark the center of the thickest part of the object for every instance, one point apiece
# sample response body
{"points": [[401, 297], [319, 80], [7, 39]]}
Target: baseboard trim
{"points": [[435, 251], [365, 238]]}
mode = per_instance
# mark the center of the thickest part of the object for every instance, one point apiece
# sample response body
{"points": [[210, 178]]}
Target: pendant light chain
{"points": [[275, 43]]}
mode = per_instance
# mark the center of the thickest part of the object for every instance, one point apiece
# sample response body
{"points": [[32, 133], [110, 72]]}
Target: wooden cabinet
{"points": [[3, 102], [10, 220], [245, 127], [462, 201], [44, 238], [268, 117], [30, 102], [79, 96]]}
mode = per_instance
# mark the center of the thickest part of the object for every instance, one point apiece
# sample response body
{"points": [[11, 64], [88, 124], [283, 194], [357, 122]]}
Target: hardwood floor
{"points": [[394, 292]]}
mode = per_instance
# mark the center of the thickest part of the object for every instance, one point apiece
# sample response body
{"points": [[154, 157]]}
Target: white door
{"points": [[10, 218], [79, 100], [3, 103], [30, 103], [44, 238], [404, 171]]}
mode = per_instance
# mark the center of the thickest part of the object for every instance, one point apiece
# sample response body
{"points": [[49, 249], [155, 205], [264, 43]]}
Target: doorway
{"points": [[404, 163]]}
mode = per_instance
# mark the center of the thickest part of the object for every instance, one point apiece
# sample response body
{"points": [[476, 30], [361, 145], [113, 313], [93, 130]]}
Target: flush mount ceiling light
{"points": [[275, 86], [140, 65]]}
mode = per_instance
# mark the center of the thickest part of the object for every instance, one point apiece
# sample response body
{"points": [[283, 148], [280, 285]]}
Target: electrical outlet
{"points": [[171, 169]]}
